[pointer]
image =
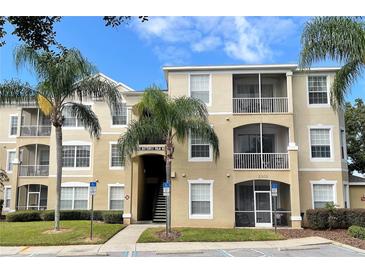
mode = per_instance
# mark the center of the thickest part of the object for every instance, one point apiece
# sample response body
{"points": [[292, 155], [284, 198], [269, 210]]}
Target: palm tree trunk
{"points": [[169, 153], [58, 177]]}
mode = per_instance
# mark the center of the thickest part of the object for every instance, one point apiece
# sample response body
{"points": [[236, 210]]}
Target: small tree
{"points": [[172, 120]]}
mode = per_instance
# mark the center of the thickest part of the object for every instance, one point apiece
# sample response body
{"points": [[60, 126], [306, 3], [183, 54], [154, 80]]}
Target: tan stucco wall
{"points": [[356, 192]]}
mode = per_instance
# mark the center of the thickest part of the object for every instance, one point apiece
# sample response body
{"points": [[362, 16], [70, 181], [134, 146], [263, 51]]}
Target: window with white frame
{"points": [[119, 115], [10, 160], [317, 90], [320, 142], [74, 197], [76, 156], [323, 194], [7, 197], [13, 129], [116, 197], [200, 87], [199, 148], [70, 120], [200, 199], [115, 156], [343, 143]]}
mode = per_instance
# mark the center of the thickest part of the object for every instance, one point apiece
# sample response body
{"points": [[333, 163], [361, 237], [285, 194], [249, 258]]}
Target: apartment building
{"points": [[275, 126]]}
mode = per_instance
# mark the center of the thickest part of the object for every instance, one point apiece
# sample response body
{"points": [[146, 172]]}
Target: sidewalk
{"points": [[126, 242]]}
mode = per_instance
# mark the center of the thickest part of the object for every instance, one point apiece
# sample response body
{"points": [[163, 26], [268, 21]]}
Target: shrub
{"points": [[357, 232], [24, 216], [113, 217], [323, 218]]}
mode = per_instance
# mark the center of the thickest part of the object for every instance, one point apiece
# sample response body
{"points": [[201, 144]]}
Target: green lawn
{"points": [[41, 233], [212, 235]]}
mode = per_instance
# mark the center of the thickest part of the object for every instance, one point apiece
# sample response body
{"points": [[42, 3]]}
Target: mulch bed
{"points": [[172, 235], [338, 235]]}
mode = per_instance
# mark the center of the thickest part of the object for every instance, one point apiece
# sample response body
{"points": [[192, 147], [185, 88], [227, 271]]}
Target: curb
{"points": [[359, 250]]}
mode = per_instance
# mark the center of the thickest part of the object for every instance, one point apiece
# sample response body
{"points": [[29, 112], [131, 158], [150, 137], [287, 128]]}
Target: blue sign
{"points": [[92, 184], [166, 184], [274, 185]]}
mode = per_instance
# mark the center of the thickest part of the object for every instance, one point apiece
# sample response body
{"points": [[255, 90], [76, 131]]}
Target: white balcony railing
{"points": [[261, 160], [34, 130], [34, 170], [260, 105]]}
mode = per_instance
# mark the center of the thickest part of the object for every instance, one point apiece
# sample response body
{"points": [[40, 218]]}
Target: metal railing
{"points": [[34, 130], [34, 170], [261, 161], [260, 105]]}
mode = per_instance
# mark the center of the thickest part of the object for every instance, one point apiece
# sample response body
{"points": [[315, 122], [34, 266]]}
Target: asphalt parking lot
{"points": [[327, 250]]}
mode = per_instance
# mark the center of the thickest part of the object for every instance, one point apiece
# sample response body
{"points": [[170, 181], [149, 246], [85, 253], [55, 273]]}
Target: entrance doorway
{"points": [[150, 188], [254, 205]]}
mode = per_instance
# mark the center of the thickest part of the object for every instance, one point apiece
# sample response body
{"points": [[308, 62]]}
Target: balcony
{"points": [[34, 123], [260, 93], [34, 160], [261, 146]]}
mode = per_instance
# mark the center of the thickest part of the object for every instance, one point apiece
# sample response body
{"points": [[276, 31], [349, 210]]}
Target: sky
{"points": [[135, 53]]}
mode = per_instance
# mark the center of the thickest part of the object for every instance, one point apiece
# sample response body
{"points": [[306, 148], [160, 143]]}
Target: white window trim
{"points": [[17, 126], [7, 160], [78, 127], [330, 159], [120, 126], [199, 159], [77, 184], [110, 157], [5, 189], [325, 182], [79, 143], [328, 92], [344, 144], [209, 104], [201, 216], [113, 185]]}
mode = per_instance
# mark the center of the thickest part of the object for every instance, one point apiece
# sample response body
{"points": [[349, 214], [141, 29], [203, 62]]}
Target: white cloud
{"points": [[248, 39]]}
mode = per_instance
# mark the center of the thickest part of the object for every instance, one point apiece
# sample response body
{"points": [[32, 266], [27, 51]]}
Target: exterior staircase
{"points": [[159, 207]]}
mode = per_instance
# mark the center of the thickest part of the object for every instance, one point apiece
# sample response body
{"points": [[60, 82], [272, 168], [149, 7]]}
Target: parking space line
{"points": [[262, 253], [225, 253]]}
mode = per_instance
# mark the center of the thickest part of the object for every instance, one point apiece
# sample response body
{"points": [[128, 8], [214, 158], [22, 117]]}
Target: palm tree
{"points": [[3, 178], [168, 119], [63, 78], [341, 39]]}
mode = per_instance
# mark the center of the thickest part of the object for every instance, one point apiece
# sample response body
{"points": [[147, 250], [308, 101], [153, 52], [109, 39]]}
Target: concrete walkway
{"points": [[126, 242]]}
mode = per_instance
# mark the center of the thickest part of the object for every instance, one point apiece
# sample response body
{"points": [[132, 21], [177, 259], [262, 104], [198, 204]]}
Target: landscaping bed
{"points": [[151, 235], [42, 233], [338, 235]]}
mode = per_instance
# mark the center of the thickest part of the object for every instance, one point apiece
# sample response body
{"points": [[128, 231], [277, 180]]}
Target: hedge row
{"points": [[335, 218], [112, 217], [357, 232]]}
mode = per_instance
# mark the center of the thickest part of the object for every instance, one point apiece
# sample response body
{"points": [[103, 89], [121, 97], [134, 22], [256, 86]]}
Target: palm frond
{"points": [[138, 130], [16, 92], [189, 107], [88, 117], [344, 78], [339, 38]]}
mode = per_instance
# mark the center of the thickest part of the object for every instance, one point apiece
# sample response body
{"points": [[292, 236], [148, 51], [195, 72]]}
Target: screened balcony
{"points": [[34, 123], [261, 146], [34, 160], [260, 93]]}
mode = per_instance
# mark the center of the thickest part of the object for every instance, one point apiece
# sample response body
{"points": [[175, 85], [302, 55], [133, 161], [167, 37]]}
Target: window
{"points": [[200, 87], [200, 199], [76, 156], [70, 120], [199, 149], [343, 142], [10, 160], [74, 197], [13, 130], [323, 194], [115, 156], [317, 89], [7, 197], [320, 143], [116, 197], [119, 115]]}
